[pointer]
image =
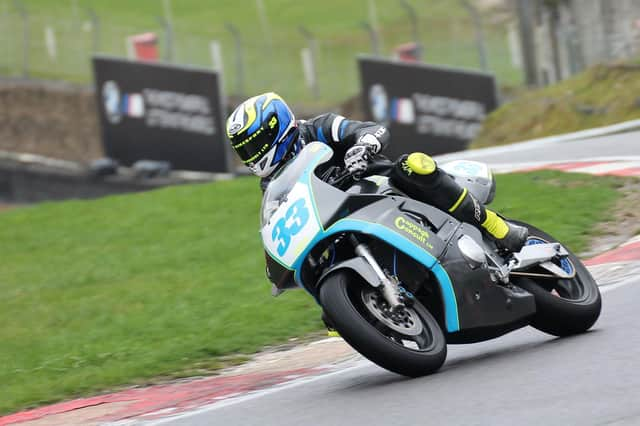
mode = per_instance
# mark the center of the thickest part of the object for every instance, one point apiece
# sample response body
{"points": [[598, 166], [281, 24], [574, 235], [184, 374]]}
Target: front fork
{"points": [[389, 286]]}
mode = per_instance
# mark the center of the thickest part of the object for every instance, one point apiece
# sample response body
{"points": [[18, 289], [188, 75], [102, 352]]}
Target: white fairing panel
{"points": [[474, 176], [292, 227], [467, 168]]}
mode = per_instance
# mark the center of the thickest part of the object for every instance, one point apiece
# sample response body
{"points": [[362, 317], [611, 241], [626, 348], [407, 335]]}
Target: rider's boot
{"points": [[331, 330], [418, 175]]}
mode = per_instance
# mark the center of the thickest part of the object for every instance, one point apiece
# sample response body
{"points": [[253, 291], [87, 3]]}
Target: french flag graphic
{"points": [[133, 105], [403, 111]]}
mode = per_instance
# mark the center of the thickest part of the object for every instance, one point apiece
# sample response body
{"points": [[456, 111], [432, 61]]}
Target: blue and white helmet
{"points": [[263, 131]]}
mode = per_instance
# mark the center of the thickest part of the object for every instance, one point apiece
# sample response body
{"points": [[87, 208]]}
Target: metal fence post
{"points": [[95, 29], [526, 23], [168, 38], [478, 26], [26, 39], [239, 58], [268, 39], [413, 16], [373, 36], [313, 66], [375, 26], [264, 23], [5, 25], [169, 31]]}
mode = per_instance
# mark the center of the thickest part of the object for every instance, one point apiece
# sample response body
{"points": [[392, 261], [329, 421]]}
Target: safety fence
{"points": [[300, 61]]}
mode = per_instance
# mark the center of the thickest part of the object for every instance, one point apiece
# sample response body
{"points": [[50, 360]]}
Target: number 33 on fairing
{"points": [[292, 227]]}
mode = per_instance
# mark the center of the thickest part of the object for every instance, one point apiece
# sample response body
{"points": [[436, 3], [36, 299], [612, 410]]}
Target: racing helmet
{"points": [[263, 132]]}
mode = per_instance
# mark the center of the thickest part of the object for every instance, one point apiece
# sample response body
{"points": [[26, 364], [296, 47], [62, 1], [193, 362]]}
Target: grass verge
{"points": [[603, 95], [122, 290]]}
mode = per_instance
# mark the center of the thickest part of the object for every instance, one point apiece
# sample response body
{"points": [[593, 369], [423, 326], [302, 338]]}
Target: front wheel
{"points": [[410, 343], [563, 306]]}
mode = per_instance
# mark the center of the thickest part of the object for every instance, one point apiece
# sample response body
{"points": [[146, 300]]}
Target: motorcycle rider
{"points": [[265, 134]]}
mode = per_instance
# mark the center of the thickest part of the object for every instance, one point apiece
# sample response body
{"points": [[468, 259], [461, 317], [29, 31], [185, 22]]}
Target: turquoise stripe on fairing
{"points": [[402, 244]]}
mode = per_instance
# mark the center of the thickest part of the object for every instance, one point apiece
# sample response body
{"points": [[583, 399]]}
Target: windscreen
{"points": [[311, 155]]}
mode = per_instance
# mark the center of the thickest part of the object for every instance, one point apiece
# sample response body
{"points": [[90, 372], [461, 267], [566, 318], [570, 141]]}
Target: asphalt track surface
{"points": [[620, 145], [523, 378]]}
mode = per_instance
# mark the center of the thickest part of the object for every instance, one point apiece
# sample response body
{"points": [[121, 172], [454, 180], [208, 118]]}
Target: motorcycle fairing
{"points": [[486, 310], [297, 226], [313, 211]]}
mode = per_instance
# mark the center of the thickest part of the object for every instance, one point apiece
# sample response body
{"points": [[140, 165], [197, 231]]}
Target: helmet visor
{"points": [[251, 147]]}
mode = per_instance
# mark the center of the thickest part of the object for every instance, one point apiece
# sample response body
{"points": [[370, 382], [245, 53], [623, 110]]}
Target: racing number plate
{"points": [[292, 227]]}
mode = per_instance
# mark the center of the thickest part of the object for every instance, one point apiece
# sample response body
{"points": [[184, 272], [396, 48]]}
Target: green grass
{"points": [[445, 31], [603, 95], [565, 205], [121, 290]]}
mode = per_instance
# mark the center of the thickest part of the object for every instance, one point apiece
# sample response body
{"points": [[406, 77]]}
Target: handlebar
{"points": [[337, 176]]}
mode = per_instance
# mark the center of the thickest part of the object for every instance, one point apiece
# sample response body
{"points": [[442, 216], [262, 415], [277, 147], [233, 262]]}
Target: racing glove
{"points": [[357, 157]]}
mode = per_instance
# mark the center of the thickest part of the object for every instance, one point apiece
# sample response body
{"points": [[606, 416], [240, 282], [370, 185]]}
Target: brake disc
{"points": [[406, 321]]}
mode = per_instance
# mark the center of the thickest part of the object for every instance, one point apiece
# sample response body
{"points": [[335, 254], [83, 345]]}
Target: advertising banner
{"points": [[426, 108], [161, 112]]}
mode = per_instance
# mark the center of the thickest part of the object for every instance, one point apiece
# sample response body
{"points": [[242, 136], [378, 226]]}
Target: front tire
{"points": [[412, 347], [563, 306]]}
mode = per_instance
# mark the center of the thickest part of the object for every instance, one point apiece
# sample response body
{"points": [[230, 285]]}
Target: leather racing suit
{"points": [[416, 174]]}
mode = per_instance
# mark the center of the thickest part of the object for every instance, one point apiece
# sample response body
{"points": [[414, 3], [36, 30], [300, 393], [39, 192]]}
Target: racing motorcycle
{"points": [[400, 279]]}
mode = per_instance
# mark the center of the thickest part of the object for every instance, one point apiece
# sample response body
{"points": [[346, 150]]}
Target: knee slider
{"points": [[421, 163]]}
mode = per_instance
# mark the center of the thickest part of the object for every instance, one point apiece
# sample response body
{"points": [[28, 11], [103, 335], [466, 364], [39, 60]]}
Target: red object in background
{"points": [[143, 47], [408, 52]]}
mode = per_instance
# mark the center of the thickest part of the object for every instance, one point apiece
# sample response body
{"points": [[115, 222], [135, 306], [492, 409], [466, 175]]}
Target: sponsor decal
{"points": [[416, 231], [439, 115], [133, 105], [448, 117], [249, 139], [431, 115], [378, 134], [159, 109], [403, 111], [111, 100], [406, 168], [179, 111], [379, 103], [477, 211], [234, 128]]}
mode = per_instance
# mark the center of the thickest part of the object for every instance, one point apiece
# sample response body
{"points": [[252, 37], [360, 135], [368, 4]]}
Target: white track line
{"points": [[253, 395], [634, 240], [606, 168]]}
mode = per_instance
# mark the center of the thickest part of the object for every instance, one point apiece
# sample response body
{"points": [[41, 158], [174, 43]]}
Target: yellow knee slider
{"points": [[421, 163]]}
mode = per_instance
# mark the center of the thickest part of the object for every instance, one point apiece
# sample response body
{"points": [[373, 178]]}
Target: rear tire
{"points": [[344, 297], [564, 306]]}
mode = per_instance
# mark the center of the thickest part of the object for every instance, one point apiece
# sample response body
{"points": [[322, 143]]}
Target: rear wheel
{"points": [[563, 306], [410, 342]]}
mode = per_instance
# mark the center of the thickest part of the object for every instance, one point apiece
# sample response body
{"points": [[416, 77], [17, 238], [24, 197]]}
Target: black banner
{"points": [[161, 112], [426, 108]]}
